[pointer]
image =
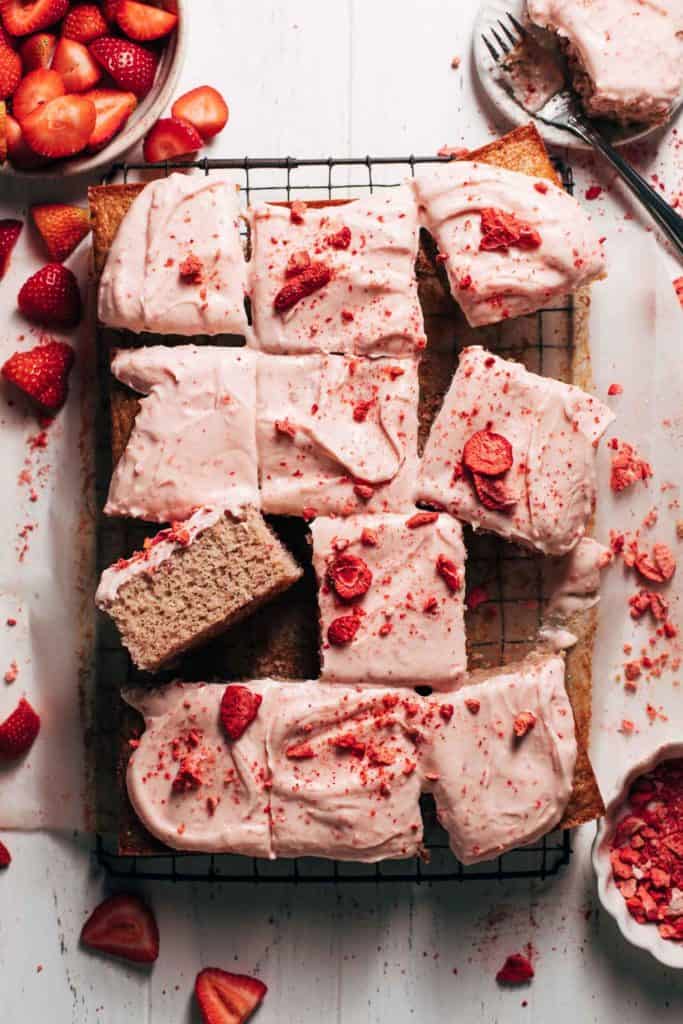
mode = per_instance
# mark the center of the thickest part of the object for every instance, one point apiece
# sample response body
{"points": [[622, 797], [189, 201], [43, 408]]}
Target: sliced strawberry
{"points": [[51, 297], [61, 127], [74, 62], [131, 66], [3, 131], [170, 137], [112, 109], [123, 926], [18, 732], [142, 22], [84, 23], [20, 17], [5, 856], [37, 51], [9, 232], [42, 373], [10, 71], [204, 108], [36, 88], [19, 153], [226, 998], [61, 227], [6, 39], [109, 10]]}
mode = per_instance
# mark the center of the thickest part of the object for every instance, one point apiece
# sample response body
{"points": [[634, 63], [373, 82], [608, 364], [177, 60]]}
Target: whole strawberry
{"points": [[18, 732], [51, 297], [42, 373]]}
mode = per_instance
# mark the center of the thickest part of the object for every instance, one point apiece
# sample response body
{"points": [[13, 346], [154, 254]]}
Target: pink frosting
{"points": [[193, 443], [506, 282], [326, 424], [144, 287], [493, 790], [553, 429], [370, 306], [411, 628]]}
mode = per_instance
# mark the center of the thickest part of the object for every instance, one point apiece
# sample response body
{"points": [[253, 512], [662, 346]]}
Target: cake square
{"points": [[337, 277], [345, 781], [194, 439], [398, 583], [514, 453], [336, 435], [176, 265], [192, 581], [500, 757], [510, 244], [190, 784]]}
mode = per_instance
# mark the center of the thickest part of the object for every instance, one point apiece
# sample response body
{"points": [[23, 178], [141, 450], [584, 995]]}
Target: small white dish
{"points": [[512, 113], [644, 936]]}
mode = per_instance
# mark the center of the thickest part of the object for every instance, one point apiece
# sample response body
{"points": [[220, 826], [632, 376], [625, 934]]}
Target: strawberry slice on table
{"points": [[170, 137], [18, 732], [142, 22], [9, 233], [61, 127], [51, 297], [10, 71], [20, 17], [37, 51], [74, 62], [61, 228], [84, 23], [42, 373], [36, 88], [131, 66], [20, 155], [226, 998], [123, 926], [5, 856], [112, 110], [203, 107]]}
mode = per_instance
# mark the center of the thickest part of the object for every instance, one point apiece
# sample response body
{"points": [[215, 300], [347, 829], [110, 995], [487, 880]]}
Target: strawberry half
{"points": [[112, 110], [123, 926], [37, 51], [203, 107], [21, 155], [226, 998], [61, 127], [142, 22], [170, 137], [5, 856], [131, 66], [61, 228], [20, 17], [42, 373], [74, 62], [35, 89], [84, 23], [51, 297], [18, 732], [10, 71], [9, 233]]}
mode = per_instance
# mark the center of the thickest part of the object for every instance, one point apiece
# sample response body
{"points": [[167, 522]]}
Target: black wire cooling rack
{"points": [[548, 337]]}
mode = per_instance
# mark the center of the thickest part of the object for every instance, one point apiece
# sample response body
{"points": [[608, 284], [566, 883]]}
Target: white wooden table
{"points": [[319, 79]]}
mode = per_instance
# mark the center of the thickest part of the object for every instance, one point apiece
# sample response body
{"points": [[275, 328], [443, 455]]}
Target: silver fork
{"points": [[563, 111]]}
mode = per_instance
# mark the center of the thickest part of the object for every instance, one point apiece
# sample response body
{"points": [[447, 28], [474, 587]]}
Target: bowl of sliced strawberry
{"points": [[83, 82]]}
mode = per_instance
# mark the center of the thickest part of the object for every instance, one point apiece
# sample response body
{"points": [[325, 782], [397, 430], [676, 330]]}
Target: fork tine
{"points": [[508, 33], [505, 47], [520, 28], [491, 48]]}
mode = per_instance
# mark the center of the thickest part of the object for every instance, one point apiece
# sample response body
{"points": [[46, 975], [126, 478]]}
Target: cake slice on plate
{"points": [[391, 597], [514, 453], [192, 581]]}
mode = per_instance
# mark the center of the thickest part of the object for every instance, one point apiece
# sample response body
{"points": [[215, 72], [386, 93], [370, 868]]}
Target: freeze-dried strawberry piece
{"points": [[297, 211], [239, 707], [659, 566], [448, 571], [189, 777], [678, 287], [523, 723], [300, 752], [349, 576], [493, 493], [369, 537], [615, 389], [19, 730], [648, 600], [502, 230], [472, 705], [628, 467], [191, 269], [341, 239], [310, 280], [348, 741], [297, 263], [342, 630], [381, 756], [285, 428], [446, 711], [361, 410], [516, 970], [363, 491], [421, 519], [487, 453]]}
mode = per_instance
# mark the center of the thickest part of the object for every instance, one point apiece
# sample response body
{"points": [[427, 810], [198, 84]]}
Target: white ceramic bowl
{"points": [[141, 120], [645, 936]]}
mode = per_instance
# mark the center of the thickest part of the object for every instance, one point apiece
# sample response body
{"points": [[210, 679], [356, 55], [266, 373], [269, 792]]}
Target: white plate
{"points": [[645, 936], [511, 112]]}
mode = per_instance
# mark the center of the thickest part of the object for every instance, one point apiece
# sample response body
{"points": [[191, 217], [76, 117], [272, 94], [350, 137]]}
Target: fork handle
{"points": [[665, 215]]}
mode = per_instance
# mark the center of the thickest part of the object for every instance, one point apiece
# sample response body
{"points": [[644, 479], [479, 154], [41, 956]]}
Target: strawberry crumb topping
{"points": [[369, 538], [472, 705], [189, 776], [501, 230], [191, 269], [523, 723]]}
